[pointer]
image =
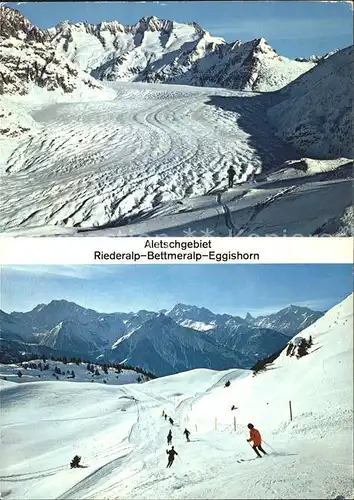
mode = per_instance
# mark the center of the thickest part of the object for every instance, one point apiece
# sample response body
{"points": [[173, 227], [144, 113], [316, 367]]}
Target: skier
{"points": [[169, 438], [171, 456], [255, 436], [165, 416], [170, 420], [227, 384], [186, 433], [231, 174], [163, 413], [233, 407]]}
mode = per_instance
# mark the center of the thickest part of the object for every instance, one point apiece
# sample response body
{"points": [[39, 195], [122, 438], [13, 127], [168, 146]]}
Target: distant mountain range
{"points": [[183, 338], [71, 55]]}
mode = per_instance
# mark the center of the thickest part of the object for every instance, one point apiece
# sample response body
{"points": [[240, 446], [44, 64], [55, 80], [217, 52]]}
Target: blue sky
{"points": [[234, 289], [294, 29]]}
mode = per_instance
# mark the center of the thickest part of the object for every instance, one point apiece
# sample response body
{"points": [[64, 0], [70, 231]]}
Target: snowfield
{"points": [[160, 154], [95, 163], [124, 452]]}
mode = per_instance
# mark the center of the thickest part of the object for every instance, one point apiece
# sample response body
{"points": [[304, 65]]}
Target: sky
{"points": [[233, 289], [292, 28]]}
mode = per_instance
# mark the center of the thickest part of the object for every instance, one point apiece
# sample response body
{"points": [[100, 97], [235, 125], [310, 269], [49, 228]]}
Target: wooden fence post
{"points": [[291, 412]]}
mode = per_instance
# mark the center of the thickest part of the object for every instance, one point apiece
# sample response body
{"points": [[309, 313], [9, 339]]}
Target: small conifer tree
{"points": [[302, 349], [75, 462]]}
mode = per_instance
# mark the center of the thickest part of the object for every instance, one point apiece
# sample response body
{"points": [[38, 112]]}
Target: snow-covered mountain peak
{"points": [[61, 306], [158, 325], [189, 308], [14, 24], [31, 66], [153, 23], [162, 346], [289, 320], [261, 45], [184, 314], [293, 309]]}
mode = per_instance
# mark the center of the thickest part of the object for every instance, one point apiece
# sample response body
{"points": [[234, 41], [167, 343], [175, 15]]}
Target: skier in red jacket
{"points": [[255, 436]]}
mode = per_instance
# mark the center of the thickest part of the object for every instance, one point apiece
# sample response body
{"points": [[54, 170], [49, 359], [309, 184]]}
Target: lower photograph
{"points": [[176, 381]]}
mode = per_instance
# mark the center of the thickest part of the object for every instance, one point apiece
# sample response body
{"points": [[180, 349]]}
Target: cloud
{"points": [[84, 272]]}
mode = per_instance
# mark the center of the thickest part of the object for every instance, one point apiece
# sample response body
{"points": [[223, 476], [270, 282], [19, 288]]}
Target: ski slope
{"points": [[157, 154], [124, 452]]}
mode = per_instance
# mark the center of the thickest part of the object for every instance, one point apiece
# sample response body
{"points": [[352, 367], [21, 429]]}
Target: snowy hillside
{"points": [[124, 452], [37, 370], [316, 115]]}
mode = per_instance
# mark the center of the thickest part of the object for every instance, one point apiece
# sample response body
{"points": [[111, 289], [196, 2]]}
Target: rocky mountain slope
{"points": [[29, 60], [183, 338], [289, 321], [163, 347], [163, 51], [315, 112]]}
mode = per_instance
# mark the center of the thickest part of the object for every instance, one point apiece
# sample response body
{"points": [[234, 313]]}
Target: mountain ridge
{"points": [[151, 50], [188, 331]]}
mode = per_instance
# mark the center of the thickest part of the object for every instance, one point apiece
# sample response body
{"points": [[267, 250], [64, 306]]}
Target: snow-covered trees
{"points": [[302, 349]]}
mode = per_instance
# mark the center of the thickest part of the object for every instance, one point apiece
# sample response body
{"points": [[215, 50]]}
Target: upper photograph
{"points": [[176, 119]]}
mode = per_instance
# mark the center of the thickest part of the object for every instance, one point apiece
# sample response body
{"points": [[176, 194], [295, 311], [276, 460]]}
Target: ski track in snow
{"points": [[94, 163]]}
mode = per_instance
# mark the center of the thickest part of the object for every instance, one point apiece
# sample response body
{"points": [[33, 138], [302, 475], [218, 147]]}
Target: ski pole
{"points": [[265, 442]]}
